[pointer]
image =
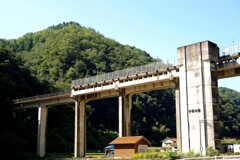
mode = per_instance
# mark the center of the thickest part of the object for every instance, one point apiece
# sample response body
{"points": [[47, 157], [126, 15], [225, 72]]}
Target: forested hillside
{"points": [[55, 56], [47, 61], [69, 51]]}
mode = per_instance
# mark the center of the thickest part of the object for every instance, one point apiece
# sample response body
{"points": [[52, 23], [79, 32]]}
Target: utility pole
{"points": [[233, 50]]}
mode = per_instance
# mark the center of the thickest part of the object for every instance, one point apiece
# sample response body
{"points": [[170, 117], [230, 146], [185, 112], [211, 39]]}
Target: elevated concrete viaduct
{"points": [[42, 103], [196, 87]]}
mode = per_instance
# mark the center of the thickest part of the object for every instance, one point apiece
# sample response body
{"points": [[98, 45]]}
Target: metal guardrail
{"points": [[121, 73], [40, 97], [100, 78], [235, 48]]}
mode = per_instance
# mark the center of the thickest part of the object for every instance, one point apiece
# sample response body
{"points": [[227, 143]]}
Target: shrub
{"points": [[211, 152], [190, 154], [148, 155], [237, 153], [170, 155]]}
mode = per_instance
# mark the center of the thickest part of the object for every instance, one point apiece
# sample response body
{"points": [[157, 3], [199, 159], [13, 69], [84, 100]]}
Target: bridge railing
{"points": [[121, 73], [232, 49], [99, 78], [40, 97]]}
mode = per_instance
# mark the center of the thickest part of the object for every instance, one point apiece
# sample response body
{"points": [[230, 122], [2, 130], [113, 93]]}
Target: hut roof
{"points": [[129, 140]]}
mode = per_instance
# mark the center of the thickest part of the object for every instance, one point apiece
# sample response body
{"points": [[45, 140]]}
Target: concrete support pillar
{"points": [[125, 106], [80, 129], [198, 96], [178, 117], [128, 108], [42, 126]]}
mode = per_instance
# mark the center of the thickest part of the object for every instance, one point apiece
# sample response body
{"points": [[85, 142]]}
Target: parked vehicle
{"points": [[109, 150]]}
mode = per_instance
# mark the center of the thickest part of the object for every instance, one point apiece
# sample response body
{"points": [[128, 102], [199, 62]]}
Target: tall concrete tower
{"points": [[197, 98]]}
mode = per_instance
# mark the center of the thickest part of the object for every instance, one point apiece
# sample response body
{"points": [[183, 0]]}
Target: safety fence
{"points": [[120, 73], [67, 93], [232, 49]]}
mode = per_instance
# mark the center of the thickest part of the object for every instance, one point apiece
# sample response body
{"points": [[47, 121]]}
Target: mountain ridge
{"points": [[69, 51]]}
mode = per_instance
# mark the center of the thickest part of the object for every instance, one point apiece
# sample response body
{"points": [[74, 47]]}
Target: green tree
{"points": [[229, 106], [153, 115], [15, 81]]}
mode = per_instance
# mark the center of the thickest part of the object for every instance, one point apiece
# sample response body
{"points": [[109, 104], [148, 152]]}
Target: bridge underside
{"points": [[234, 72], [229, 66]]}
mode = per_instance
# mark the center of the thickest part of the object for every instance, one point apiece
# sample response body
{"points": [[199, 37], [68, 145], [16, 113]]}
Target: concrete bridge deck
{"points": [[227, 66], [89, 84], [50, 99]]}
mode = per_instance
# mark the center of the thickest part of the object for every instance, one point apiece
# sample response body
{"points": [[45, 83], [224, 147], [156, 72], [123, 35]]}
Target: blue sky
{"points": [[155, 26]]}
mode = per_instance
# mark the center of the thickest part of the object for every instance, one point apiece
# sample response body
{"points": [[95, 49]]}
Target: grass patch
{"points": [[95, 155], [69, 156], [168, 155]]}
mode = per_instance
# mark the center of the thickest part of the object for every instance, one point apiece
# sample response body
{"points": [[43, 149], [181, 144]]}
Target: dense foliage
{"points": [[153, 115], [47, 61], [16, 131], [229, 107], [69, 51]]}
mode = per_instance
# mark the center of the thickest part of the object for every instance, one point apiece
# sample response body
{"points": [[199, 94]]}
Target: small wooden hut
{"points": [[128, 146]]}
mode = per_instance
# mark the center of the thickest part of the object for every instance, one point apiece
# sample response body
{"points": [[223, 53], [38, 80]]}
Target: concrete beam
{"points": [[46, 102], [150, 86], [138, 81], [229, 68]]}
